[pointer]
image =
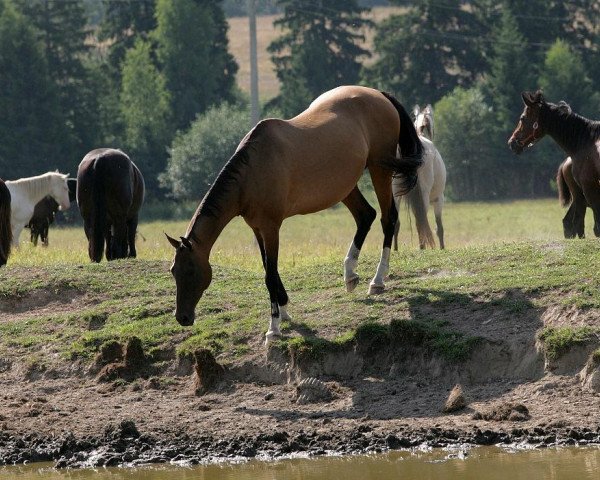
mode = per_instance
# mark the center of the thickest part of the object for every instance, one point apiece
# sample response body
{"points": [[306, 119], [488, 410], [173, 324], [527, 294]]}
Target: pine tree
{"points": [[145, 111], [318, 50], [428, 50], [192, 49], [31, 124], [124, 22], [62, 29]]}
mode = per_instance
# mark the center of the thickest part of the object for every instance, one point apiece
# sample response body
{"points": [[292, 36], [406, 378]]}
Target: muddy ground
{"points": [[121, 409]]}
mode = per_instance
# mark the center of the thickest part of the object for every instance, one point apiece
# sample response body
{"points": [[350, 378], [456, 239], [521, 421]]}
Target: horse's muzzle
{"points": [[185, 320], [515, 146]]}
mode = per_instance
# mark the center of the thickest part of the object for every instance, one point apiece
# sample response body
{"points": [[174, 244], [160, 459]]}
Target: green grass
{"points": [[507, 258], [558, 341]]}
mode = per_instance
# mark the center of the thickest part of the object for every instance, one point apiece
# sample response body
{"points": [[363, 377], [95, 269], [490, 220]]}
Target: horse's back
{"points": [[112, 173]]}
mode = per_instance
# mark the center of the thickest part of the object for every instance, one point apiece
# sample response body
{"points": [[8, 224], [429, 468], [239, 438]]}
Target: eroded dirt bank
{"points": [[378, 392]]}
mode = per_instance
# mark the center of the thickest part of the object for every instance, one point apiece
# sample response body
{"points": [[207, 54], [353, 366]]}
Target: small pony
{"points": [[5, 229], [27, 192], [110, 193], [294, 167], [578, 177], [430, 186]]}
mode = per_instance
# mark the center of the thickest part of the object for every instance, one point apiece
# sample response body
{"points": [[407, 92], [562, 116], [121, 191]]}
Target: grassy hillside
{"points": [[508, 258], [239, 45]]}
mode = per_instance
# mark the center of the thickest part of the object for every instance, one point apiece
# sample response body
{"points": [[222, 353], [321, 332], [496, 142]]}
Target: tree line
{"points": [[157, 79]]}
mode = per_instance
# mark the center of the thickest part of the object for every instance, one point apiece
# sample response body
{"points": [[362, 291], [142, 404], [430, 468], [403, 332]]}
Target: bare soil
{"points": [[390, 392]]}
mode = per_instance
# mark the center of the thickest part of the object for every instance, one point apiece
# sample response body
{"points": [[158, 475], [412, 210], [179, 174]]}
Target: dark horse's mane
{"points": [[573, 129], [229, 176]]}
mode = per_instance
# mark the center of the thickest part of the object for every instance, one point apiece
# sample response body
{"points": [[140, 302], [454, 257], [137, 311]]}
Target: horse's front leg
{"points": [[268, 242]]}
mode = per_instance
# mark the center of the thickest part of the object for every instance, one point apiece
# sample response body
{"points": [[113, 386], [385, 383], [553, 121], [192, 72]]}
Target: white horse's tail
{"points": [[416, 201]]}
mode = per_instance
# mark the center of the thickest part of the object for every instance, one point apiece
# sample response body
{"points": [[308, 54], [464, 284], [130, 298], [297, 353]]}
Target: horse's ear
{"points": [[186, 243], [528, 98], [429, 108], [564, 107], [176, 243], [416, 111]]}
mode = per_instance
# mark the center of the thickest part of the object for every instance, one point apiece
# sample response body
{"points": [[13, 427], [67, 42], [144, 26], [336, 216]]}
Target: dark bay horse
{"points": [[5, 228], [110, 192], [43, 216], [579, 138], [303, 165]]}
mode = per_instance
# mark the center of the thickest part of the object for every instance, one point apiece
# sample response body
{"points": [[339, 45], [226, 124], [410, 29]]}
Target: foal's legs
{"points": [[364, 216], [268, 242], [382, 182]]}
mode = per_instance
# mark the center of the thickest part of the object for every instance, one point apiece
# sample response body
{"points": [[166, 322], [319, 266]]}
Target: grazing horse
{"points": [[303, 165], [27, 192], [430, 186], [43, 217], [110, 193], [5, 229], [579, 138], [570, 194]]}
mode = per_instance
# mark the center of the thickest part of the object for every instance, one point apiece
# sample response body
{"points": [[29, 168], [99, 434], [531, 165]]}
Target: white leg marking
{"points": [[274, 326], [377, 285], [350, 264]]}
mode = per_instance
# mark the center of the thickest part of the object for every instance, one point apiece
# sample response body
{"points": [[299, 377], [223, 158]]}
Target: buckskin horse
{"points": [[110, 192], [579, 138], [430, 186], [5, 228], [288, 167]]}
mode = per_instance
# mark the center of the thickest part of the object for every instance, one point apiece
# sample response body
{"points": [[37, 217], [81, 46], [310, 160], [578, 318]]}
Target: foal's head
{"points": [[531, 126], [192, 274], [424, 121]]}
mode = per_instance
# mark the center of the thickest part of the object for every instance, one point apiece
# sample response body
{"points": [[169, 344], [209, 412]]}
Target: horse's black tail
{"points": [[5, 227], [564, 192], [99, 212], [411, 150]]}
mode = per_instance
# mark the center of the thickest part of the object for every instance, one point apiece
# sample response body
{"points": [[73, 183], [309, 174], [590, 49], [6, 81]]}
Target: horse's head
{"points": [[424, 121], [530, 128], [192, 274], [60, 191]]}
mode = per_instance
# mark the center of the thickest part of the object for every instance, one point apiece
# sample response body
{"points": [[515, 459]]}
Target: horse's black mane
{"points": [[569, 128]]}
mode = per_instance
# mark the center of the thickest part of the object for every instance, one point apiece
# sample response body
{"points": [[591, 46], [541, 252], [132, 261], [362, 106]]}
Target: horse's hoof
{"points": [[271, 337], [376, 289], [352, 284]]}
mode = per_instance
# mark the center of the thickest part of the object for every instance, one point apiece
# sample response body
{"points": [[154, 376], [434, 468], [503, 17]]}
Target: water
{"points": [[479, 463]]}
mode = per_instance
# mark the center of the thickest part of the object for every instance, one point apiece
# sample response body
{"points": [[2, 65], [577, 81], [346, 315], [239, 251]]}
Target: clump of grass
{"points": [[559, 340]]}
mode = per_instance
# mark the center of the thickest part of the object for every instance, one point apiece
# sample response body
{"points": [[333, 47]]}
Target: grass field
{"points": [[53, 301]]}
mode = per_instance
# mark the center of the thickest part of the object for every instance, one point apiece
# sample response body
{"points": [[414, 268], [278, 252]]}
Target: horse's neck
{"points": [[571, 134], [34, 189], [205, 229]]}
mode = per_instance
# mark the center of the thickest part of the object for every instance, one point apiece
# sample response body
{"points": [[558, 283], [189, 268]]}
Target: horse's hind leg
{"points": [[364, 216], [569, 229], [438, 203], [397, 226], [131, 232], [382, 181]]}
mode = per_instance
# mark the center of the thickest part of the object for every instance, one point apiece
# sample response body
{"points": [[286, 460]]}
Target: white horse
{"points": [[430, 186], [27, 192]]}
